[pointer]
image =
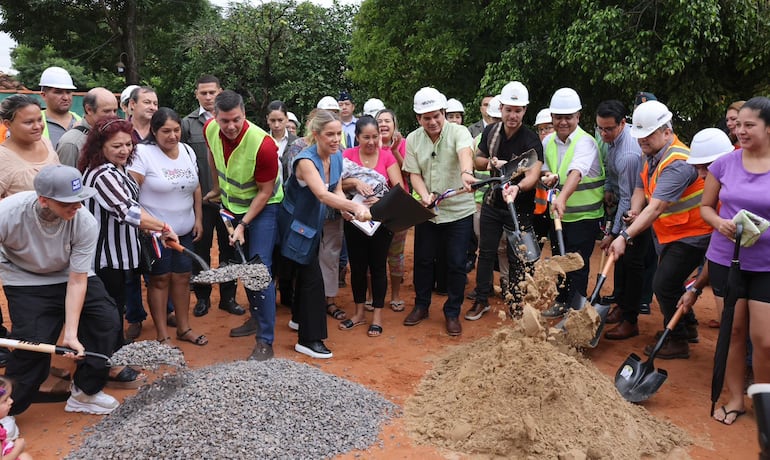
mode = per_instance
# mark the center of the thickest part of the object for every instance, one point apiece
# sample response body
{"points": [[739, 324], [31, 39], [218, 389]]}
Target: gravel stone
{"points": [[148, 354], [254, 276], [245, 409]]}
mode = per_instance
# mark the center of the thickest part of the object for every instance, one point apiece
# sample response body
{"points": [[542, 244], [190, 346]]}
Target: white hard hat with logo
{"points": [[328, 103], [292, 117], [514, 93], [56, 77], [543, 117], [454, 106], [493, 109], [428, 100], [126, 94], [565, 101], [373, 106], [708, 145], [648, 117]]}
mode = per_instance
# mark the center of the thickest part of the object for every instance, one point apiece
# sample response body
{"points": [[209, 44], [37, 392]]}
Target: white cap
{"points": [[292, 117], [708, 145], [565, 101], [453, 105], [493, 109], [372, 106], [428, 100], [514, 93], [56, 77], [648, 117], [328, 103], [126, 94], [543, 116]]}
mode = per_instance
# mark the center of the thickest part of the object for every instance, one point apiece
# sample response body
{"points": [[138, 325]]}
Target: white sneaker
{"points": [[314, 350], [11, 430], [100, 403], [293, 326]]}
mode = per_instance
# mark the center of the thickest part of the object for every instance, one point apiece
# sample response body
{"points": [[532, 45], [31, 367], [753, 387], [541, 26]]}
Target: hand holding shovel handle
{"points": [[47, 348], [227, 218]]}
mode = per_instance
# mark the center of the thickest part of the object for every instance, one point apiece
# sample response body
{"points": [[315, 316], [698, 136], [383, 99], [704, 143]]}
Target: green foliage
{"points": [[275, 50]]}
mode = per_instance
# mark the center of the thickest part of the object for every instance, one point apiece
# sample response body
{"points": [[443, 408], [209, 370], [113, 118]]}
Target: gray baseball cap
{"points": [[62, 183]]}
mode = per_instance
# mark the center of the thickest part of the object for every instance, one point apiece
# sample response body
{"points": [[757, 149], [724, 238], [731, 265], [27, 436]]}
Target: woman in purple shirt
{"points": [[740, 180]]}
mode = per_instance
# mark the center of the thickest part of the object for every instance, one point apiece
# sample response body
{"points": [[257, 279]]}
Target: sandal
{"points": [[397, 305], [375, 330], [335, 312], [737, 413], [349, 324], [201, 340], [127, 379]]}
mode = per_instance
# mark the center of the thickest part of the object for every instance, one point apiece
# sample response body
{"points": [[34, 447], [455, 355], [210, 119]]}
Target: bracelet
{"points": [[626, 237], [245, 225], [465, 171], [697, 291]]}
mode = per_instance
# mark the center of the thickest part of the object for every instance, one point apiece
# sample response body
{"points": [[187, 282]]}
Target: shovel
{"points": [[254, 274], [636, 380], [47, 348], [524, 244], [579, 302]]}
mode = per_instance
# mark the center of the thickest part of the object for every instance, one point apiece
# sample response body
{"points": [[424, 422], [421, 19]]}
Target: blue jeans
{"points": [[426, 243], [262, 238]]}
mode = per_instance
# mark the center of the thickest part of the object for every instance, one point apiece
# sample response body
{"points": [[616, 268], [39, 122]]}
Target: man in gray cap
{"points": [[47, 245]]}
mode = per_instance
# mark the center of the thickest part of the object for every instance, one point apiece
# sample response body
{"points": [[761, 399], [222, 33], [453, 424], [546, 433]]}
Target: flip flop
{"points": [[335, 312], [348, 324], [397, 305], [201, 340], [375, 330], [737, 413]]}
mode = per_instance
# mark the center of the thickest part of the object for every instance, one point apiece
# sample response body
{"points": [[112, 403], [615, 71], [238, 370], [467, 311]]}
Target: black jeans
{"points": [[368, 254], [677, 261], [630, 276], [579, 237], [37, 314], [309, 306], [427, 239], [212, 220], [492, 223]]}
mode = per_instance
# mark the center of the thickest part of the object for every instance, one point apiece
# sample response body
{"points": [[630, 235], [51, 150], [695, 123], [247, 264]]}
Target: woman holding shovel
{"points": [[736, 182]]}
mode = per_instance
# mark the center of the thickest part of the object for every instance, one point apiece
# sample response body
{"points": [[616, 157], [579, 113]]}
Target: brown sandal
{"points": [[201, 340]]}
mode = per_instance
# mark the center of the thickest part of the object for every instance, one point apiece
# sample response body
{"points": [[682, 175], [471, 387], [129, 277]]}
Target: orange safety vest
{"points": [[682, 219], [541, 198]]}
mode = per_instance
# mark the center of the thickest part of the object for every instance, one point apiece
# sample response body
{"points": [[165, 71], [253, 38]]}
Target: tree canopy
{"points": [[696, 56]]}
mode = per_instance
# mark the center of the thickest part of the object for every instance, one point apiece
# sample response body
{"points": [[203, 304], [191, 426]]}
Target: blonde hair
{"points": [[317, 123], [735, 106]]}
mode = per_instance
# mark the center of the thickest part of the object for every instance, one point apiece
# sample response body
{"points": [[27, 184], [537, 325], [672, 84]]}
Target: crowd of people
{"points": [[86, 200]]}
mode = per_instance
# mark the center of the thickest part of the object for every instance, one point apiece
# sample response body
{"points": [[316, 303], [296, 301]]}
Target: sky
{"points": [[7, 43]]}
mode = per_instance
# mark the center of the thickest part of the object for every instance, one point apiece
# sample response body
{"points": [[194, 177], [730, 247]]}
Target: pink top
{"points": [[384, 160], [402, 150]]}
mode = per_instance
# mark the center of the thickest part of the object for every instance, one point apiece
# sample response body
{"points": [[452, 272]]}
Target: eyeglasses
{"points": [[607, 130]]}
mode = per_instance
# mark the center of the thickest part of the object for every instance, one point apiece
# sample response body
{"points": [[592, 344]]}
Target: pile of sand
{"points": [[515, 396]]}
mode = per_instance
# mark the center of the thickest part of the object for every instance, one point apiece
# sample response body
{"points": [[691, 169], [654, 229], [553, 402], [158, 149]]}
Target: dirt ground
{"points": [[394, 364]]}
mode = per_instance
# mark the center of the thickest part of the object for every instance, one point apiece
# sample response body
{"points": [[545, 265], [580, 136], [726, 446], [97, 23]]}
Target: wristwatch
{"points": [[626, 237], [697, 291]]}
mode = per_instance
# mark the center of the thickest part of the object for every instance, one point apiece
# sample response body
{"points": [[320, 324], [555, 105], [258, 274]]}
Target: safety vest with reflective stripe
{"points": [[682, 219], [236, 178], [541, 198], [586, 202], [45, 123]]}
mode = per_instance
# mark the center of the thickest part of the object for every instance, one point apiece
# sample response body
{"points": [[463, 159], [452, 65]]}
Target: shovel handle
{"points": [[230, 230], [179, 248], [666, 332], [47, 348], [601, 279]]}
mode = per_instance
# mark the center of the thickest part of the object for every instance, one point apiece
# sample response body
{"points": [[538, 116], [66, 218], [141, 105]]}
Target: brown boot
{"points": [[624, 330], [671, 349], [615, 316]]}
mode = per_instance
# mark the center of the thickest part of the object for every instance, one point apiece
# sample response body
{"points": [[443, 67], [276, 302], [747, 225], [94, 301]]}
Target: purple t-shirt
{"points": [[740, 189], [384, 160]]}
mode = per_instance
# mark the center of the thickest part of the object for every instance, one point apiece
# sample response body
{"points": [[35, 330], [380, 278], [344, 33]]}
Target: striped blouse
{"points": [[116, 208]]}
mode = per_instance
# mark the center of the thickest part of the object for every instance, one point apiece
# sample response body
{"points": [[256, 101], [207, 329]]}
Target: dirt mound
{"points": [[513, 396]]}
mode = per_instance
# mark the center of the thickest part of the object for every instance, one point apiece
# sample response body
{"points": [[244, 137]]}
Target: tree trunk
{"points": [[129, 43]]}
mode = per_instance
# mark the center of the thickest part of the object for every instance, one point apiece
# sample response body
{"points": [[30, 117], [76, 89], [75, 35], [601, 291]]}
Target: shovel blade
{"points": [[524, 245], [579, 302], [636, 381]]}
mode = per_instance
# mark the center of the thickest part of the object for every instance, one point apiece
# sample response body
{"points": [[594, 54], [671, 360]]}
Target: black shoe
{"points": [[470, 264], [201, 307], [315, 349], [644, 309], [232, 307]]}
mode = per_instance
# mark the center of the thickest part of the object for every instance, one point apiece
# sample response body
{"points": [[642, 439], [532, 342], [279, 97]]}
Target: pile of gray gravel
{"points": [[148, 354], [244, 409]]}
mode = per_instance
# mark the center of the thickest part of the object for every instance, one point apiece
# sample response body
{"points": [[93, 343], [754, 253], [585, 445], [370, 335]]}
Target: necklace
{"points": [[370, 161], [48, 221]]}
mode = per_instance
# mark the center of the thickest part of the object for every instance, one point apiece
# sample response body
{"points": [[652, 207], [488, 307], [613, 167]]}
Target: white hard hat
{"points": [[372, 106], [648, 117], [453, 106], [292, 117], [328, 103], [56, 77], [493, 109], [428, 100], [126, 94], [708, 145], [543, 116], [565, 101], [514, 93]]}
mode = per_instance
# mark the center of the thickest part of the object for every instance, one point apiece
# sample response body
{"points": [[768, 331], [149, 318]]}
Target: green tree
{"points": [[97, 34], [274, 50]]}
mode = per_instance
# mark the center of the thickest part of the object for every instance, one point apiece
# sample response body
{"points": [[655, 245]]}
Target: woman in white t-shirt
{"points": [[167, 173]]}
